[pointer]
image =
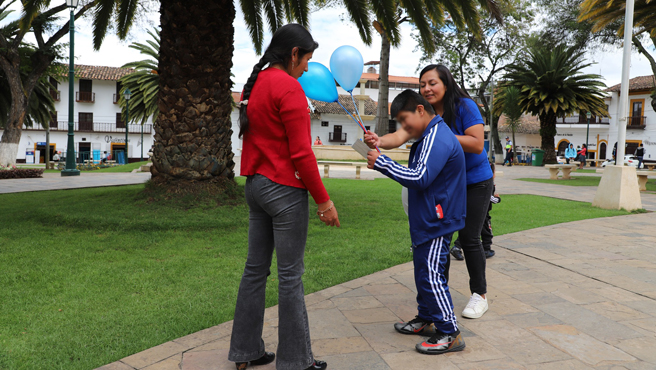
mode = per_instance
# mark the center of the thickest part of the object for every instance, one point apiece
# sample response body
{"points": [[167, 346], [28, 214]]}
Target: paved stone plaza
{"points": [[579, 295]]}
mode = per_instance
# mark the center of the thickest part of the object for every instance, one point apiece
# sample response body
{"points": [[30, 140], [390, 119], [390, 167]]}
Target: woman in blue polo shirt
{"points": [[462, 115]]}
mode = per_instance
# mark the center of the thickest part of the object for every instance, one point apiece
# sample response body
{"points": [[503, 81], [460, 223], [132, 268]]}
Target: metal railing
{"points": [[636, 122], [55, 94], [85, 97], [93, 127], [583, 120], [337, 137]]}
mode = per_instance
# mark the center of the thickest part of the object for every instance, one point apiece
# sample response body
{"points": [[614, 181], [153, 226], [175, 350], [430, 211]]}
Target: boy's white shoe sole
{"points": [[476, 307]]}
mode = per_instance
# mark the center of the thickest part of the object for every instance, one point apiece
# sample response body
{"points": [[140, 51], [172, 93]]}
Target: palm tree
{"points": [[193, 129], [508, 102], [552, 85], [425, 15], [603, 13], [40, 21], [144, 82]]}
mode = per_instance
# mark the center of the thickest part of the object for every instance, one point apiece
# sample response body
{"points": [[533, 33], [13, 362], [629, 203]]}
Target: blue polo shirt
{"points": [[477, 165]]}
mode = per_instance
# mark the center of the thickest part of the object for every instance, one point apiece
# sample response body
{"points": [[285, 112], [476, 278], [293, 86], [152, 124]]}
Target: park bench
{"points": [[555, 168], [643, 177], [326, 167]]}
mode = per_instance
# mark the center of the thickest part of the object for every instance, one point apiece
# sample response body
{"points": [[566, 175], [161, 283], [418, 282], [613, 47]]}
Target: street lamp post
{"points": [[587, 133], [141, 142], [127, 94], [71, 170]]}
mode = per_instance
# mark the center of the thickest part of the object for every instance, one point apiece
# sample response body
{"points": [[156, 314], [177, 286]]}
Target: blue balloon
{"points": [[318, 83], [347, 64]]}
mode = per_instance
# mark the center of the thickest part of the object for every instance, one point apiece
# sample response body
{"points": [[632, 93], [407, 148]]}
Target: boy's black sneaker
{"points": [[416, 326], [457, 253], [441, 343], [489, 253]]}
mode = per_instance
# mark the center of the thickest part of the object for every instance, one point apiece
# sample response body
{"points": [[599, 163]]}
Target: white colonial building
{"points": [[640, 129], [98, 123], [602, 135]]}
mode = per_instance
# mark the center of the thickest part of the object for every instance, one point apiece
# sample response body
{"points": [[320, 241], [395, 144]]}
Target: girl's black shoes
{"points": [[266, 359]]}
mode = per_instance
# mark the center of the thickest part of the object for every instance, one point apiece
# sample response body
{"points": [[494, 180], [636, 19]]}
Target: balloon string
{"points": [[355, 105], [358, 122]]}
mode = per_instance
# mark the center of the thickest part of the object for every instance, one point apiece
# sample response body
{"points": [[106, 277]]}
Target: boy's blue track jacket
{"points": [[436, 182]]}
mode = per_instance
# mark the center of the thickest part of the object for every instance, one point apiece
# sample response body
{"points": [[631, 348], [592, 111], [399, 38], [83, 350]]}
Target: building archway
{"points": [[562, 145], [602, 150]]}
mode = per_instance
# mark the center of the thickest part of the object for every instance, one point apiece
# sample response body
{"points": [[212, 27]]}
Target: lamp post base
{"points": [[618, 189], [73, 172]]}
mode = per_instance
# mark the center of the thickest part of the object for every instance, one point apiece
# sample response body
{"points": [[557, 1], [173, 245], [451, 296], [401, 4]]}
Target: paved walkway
{"points": [[54, 181], [580, 295]]}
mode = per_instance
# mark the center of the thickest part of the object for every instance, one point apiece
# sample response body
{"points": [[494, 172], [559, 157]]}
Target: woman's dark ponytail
{"points": [[283, 42]]}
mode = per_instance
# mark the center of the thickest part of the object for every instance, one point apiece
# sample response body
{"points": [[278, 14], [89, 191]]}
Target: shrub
{"points": [[19, 173]]}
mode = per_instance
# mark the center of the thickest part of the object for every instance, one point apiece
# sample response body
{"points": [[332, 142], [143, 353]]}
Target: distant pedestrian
{"points": [[509, 152], [56, 157], [640, 153], [103, 157], [615, 152], [570, 153], [318, 141], [582, 155]]}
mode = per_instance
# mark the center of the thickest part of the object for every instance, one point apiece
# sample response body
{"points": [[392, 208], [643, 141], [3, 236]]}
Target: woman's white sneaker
{"points": [[476, 307]]}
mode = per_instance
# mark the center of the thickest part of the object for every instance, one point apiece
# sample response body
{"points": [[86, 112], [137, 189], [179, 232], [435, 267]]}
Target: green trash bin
{"points": [[537, 156]]}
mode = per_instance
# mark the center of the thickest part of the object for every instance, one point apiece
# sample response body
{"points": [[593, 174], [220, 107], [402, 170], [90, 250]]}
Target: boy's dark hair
{"points": [[408, 101]]}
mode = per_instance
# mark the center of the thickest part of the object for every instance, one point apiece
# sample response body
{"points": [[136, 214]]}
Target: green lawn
{"points": [[93, 275], [583, 181]]}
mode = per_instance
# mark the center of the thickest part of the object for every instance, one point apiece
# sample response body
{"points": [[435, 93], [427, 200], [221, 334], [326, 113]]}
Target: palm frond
{"points": [[102, 15], [253, 19]]}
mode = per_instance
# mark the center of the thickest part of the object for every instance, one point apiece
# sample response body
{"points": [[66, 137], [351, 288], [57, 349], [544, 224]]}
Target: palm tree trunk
{"points": [[193, 130], [382, 125], [548, 132], [14, 126], [494, 129]]}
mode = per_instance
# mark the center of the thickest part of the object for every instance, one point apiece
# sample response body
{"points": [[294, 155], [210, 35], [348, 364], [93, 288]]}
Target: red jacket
{"points": [[278, 142]]}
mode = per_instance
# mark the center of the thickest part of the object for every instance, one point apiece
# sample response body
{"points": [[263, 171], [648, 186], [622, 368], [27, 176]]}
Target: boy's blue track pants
{"points": [[433, 297]]}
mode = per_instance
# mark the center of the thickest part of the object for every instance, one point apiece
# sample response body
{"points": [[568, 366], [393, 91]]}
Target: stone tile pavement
{"points": [[580, 295]]}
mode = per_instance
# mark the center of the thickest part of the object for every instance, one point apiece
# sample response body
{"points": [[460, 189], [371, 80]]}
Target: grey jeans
{"points": [[279, 217]]}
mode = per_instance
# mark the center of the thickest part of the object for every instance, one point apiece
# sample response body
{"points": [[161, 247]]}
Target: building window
{"points": [[53, 120], [117, 96], [324, 123], [119, 121], [392, 126], [85, 121], [54, 93], [86, 92]]}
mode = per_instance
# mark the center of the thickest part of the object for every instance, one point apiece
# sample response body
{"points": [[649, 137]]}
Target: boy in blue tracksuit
{"points": [[435, 178]]}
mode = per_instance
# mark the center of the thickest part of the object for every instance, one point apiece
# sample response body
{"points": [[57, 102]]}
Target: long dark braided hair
{"points": [[453, 93], [283, 42]]}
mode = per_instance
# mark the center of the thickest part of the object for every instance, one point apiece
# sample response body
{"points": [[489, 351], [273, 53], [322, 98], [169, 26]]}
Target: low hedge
{"points": [[20, 173]]}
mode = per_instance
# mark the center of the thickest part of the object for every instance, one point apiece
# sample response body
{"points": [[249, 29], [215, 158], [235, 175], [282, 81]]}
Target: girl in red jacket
{"points": [[280, 167]]}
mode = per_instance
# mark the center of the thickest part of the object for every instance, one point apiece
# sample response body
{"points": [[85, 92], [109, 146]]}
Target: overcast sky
{"points": [[330, 32]]}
